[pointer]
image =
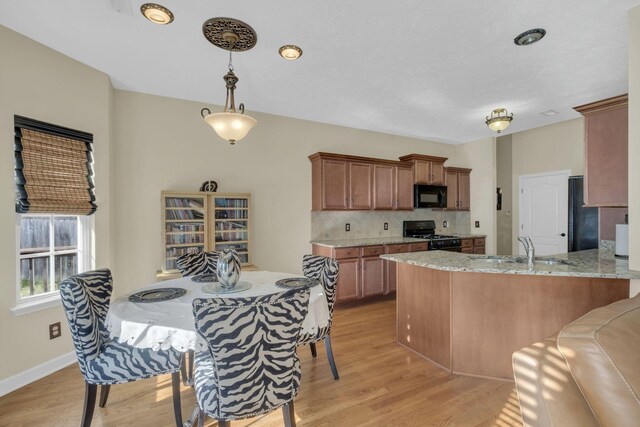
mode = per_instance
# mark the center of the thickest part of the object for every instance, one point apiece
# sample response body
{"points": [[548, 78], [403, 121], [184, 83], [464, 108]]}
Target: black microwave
{"points": [[429, 196]]}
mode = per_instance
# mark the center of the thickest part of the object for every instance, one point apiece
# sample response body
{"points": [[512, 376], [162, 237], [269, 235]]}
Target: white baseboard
{"points": [[17, 381]]}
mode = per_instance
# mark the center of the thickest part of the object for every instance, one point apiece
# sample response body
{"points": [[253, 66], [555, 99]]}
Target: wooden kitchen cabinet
{"points": [[384, 186], [347, 288], [372, 276], [606, 143], [426, 169], [473, 246], [341, 182], [404, 187], [458, 181]]}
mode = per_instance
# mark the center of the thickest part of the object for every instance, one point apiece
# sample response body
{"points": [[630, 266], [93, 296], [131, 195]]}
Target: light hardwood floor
{"points": [[381, 384]]}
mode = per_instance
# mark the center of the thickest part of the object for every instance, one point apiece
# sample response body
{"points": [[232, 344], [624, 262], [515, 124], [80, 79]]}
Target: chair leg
{"points": [[201, 417], [177, 408], [104, 395], [90, 391], [183, 368], [289, 415], [327, 345], [312, 346], [223, 423], [191, 357]]}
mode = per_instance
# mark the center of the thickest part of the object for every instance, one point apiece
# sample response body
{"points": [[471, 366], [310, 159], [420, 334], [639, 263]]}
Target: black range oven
{"points": [[427, 230]]}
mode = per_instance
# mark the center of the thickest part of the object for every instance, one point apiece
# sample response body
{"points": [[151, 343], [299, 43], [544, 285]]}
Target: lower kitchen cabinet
{"points": [[473, 246], [363, 273], [372, 276], [348, 279]]}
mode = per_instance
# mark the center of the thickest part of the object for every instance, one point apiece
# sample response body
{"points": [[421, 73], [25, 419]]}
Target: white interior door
{"points": [[544, 200]]}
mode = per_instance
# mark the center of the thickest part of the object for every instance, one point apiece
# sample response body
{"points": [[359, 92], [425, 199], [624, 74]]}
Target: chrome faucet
{"points": [[531, 251]]}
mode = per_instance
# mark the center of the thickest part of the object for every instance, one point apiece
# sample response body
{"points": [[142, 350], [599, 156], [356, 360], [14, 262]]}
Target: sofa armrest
{"points": [[547, 393]]}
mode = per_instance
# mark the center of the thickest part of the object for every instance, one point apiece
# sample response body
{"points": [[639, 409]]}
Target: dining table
{"points": [[169, 324]]}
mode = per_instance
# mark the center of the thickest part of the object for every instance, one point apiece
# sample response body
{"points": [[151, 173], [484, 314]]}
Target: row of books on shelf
{"points": [[176, 252], [231, 214], [184, 203], [231, 203], [230, 225], [184, 214], [176, 239], [231, 237], [174, 228]]}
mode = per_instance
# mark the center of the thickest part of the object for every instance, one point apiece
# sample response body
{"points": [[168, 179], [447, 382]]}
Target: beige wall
{"points": [[40, 83], [504, 180], [634, 144], [163, 144], [481, 157], [546, 149]]}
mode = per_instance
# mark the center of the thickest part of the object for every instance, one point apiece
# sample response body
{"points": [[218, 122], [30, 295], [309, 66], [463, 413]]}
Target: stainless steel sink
{"points": [[494, 259], [553, 261], [521, 260]]}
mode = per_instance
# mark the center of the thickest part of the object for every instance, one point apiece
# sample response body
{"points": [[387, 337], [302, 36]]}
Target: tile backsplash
{"points": [[329, 225]]}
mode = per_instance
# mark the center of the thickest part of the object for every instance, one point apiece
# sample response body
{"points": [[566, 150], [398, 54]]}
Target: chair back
{"points": [[85, 298], [197, 263], [252, 342], [325, 270]]}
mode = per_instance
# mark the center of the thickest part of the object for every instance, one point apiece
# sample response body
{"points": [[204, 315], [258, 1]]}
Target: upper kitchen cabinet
{"points": [[458, 181], [341, 182], [392, 187], [426, 169], [606, 152]]}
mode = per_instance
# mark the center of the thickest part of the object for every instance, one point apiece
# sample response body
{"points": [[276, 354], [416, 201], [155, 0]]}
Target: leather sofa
{"points": [[587, 375]]}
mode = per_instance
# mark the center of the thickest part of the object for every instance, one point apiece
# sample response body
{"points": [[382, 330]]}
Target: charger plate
{"points": [[205, 278], [297, 282], [157, 295], [215, 288]]}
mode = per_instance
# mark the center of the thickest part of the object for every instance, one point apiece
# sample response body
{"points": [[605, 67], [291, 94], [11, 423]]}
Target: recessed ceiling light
{"points": [[290, 52], [529, 37], [548, 113], [156, 13]]}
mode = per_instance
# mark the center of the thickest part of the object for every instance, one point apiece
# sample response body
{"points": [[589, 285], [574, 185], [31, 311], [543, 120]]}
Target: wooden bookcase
{"points": [[199, 221]]}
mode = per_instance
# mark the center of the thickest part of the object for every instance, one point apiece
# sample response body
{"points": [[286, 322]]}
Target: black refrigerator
{"points": [[583, 222]]}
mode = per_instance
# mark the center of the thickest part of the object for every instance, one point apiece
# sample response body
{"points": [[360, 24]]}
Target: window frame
{"points": [[86, 261]]}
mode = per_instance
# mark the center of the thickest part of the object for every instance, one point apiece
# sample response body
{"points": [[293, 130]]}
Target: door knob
{"points": [[563, 234]]}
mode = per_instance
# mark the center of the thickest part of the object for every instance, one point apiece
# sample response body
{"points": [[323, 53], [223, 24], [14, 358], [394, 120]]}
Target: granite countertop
{"points": [[591, 263], [369, 241], [464, 236]]}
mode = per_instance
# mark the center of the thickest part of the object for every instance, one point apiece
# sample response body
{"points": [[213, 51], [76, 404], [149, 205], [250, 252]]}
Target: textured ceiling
{"points": [[424, 68]]}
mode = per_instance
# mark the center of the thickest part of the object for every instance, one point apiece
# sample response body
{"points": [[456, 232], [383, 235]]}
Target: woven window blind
{"points": [[54, 169]]}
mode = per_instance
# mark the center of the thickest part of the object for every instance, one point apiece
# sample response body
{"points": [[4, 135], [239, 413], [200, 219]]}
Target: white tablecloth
{"points": [[166, 324]]}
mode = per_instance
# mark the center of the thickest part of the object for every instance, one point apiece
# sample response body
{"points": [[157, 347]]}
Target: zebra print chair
{"points": [[197, 263], [250, 366], [326, 271], [102, 360], [191, 265]]}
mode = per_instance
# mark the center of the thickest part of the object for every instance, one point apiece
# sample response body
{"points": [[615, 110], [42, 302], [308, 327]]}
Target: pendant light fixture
{"points": [[499, 120], [234, 36]]}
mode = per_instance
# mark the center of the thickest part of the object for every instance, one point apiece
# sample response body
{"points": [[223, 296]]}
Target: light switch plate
{"points": [[477, 224], [445, 224]]}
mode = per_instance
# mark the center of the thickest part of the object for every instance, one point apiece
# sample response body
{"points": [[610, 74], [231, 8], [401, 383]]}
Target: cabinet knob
{"points": [[563, 234]]}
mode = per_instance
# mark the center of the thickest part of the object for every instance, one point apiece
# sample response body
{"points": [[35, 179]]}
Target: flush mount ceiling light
{"points": [[156, 13], [529, 37], [290, 52], [499, 120], [234, 36]]}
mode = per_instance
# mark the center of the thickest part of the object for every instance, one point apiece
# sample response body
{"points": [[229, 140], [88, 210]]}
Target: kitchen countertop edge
{"points": [[591, 263]]}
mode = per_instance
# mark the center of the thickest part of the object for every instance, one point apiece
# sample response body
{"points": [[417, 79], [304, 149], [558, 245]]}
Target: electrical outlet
{"points": [[386, 225], [347, 227], [477, 224], [54, 330], [445, 224]]}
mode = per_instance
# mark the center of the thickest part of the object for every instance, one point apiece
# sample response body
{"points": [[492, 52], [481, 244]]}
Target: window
{"points": [[50, 249]]}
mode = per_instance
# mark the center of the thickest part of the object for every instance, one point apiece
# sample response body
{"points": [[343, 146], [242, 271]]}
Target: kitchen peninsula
{"points": [[469, 313]]}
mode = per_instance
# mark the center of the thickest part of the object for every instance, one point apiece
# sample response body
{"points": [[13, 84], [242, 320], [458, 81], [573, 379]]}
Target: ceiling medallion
{"points": [[529, 37], [290, 52], [499, 120], [229, 34], [156, 13]]}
